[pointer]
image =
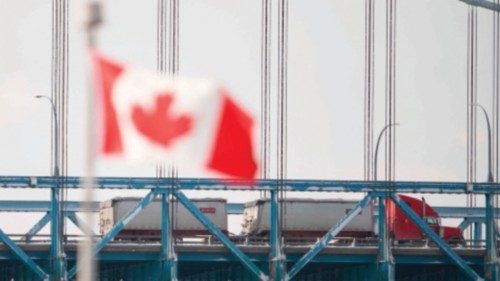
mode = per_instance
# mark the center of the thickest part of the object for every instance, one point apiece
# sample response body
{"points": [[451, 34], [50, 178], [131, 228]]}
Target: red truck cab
{"points": [[402, 228]]}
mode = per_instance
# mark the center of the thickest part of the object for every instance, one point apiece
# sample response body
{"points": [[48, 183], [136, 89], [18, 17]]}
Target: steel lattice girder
{"points": [[37, 227], [27, 260], [377, 189], [191, 207], [224, 184], [335, 229], [141, 205]]}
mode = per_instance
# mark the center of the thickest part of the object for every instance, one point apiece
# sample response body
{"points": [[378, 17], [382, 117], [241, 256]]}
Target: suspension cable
{"points": [[496, 102], [369, 87], [390, 90], [282, 105], [65, 98], [471, 101], [59, 96], [265, 81], [167, 43]]}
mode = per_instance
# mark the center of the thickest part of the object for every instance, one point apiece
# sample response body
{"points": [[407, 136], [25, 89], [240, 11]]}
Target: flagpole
{"points": [[92, 20]]}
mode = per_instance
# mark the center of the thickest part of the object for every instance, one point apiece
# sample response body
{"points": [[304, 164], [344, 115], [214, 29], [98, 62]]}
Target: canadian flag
{"points": [[183, 121]]}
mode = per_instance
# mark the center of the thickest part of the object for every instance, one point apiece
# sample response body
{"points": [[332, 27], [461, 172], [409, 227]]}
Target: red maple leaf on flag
{"points": [[158, 124]]}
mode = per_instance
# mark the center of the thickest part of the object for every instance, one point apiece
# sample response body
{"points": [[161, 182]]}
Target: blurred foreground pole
{"points": [[92, 19]]}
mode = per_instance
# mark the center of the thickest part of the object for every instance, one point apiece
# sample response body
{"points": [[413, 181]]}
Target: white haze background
{"points": [[221, 38]]}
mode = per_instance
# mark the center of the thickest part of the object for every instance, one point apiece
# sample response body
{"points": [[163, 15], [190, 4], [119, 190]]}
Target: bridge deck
{"points": [[131, 251]]}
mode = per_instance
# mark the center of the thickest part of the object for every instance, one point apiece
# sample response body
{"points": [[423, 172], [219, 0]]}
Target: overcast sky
{"points": [[221, 38]]}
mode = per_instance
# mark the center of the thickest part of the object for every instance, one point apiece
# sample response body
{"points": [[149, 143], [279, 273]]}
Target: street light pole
{"points": [[492, 265], [385, 260], [55, 169], [57, 255], [490, 160], [375, 158]]}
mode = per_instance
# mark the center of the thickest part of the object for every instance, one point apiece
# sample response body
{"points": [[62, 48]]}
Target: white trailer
{"points": [[148, 221], [308, 217]]}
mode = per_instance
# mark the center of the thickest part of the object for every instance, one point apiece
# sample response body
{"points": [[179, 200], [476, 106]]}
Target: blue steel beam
{"points": [[43, 206], [131, 214], [168, 258], [491, 259], [232, 208], [79, 223], [321, 244], [224, 184], [439, 242], [278, 258], [37, 227], [235, 208], [58, 260], [483, 4], [385, 260], [23, 256], [463, 212], [466, 223], [222, 256], [210, 226], [478, 234]]}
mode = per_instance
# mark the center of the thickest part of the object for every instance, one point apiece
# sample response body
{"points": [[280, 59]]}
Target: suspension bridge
{"points": [[220, 255]]}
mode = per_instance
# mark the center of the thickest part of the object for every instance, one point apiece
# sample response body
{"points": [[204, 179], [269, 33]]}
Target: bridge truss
{"points": [[382, 253]]}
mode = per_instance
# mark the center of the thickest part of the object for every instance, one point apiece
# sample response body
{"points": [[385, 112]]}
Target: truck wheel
{"points": [[457, 241]]}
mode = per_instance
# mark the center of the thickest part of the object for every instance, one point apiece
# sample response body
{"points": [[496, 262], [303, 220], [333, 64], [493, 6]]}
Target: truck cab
{"points": [[402, 228]]}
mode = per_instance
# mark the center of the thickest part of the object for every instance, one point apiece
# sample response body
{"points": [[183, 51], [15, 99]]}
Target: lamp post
{"points": [[375, 158], [55, 169], [57, 255], [385, 261], [490, 171], [491, 259]]}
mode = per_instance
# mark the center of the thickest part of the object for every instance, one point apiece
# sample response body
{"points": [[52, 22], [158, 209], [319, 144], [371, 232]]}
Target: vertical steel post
{"points": [[57, 256], [277, 272], [385, 261], [56, 253], [478, 233], [168, 259], [491, 259]]}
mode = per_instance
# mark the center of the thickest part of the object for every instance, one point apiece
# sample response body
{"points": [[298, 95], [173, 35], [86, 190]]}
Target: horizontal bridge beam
{"points": [[117, 253], [43, 206], [232, 208], [224, 184], [463, 212]]}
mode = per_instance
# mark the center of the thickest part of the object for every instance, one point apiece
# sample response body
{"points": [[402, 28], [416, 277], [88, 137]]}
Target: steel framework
{"points": [[166, 187]]}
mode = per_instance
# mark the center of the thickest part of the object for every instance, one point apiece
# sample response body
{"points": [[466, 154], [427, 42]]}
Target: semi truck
{"points": [[313, 218], [301, 218]]}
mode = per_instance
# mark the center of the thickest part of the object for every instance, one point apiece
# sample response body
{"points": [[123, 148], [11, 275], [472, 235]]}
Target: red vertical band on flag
{"points": [[232, 152], [106, 73]]}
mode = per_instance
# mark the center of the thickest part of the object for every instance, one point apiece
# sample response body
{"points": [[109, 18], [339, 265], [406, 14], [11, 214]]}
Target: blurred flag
{"points": [[183, 121]]}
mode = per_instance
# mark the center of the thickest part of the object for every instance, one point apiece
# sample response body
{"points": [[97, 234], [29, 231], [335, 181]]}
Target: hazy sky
{"points": [[221, 38]]}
